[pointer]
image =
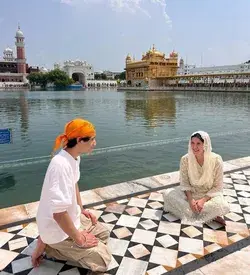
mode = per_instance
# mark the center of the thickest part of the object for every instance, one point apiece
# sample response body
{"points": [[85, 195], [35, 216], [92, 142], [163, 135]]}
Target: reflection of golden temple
{"points": [[155, 108], [153, 65]]}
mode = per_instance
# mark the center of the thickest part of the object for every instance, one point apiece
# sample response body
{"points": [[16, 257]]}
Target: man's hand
{"points": [[37, 254], [36, 260], [193, 205], [86, 240], [89, 215]]}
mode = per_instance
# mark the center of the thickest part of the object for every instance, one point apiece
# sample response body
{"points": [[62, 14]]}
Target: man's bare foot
{"points": [[220, 220], [37, 254]]}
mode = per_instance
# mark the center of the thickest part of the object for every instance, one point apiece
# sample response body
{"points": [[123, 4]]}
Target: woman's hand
{"points": [[200, 204], [193, 205]]}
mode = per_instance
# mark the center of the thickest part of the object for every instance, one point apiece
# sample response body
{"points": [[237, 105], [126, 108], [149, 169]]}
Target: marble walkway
{"points": [[145, 239]]}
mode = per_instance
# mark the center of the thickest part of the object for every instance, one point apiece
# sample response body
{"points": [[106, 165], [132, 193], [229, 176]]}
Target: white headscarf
{"points": [[207, 177]]}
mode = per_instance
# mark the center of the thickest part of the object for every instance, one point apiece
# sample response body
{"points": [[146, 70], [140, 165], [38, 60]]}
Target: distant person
{"points": [[67, 231], [199, 198]]}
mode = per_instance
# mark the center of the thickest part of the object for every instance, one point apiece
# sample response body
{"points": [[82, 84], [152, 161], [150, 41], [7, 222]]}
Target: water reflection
{"points": [[7, 181], [120, 118], [65, 104], [216, 98], [16, 109], [24, 116], [156, 108]]}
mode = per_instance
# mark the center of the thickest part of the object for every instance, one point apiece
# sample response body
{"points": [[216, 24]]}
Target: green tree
{"points": [[38, 78], [103, 76], [97, 76], [59, 78], [43, 79], [121, 76], [100, 76]]}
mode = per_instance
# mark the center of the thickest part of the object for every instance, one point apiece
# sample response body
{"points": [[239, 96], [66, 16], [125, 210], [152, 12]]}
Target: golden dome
{"points": [[154, 52], [158, 53], [173, 54], [128, 57]]}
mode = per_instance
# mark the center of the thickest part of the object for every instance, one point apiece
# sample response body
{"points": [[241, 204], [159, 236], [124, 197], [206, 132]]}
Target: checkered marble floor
{"points": [[144, 239]]}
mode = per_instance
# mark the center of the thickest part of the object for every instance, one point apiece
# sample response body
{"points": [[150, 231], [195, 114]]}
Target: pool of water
{"points": [[139, 134]]}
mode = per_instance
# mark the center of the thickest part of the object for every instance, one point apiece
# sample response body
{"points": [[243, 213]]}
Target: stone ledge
{"points": [[27, 212]]}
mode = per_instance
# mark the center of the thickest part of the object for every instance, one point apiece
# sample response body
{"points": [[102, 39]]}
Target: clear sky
{"points": [[102, 32]]}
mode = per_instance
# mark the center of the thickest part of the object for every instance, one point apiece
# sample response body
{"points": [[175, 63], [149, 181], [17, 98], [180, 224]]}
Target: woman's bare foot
{"points": [[220, 220], [37, 254]]}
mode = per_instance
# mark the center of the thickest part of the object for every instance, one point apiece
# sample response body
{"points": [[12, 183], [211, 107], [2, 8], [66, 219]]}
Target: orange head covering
{"points": [[74, 129]]}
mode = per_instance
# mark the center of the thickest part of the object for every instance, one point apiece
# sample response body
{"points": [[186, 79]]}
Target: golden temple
{"points": [[152, 65]]}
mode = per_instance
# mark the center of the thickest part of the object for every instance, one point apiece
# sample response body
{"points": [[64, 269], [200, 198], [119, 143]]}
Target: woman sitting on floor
{"points": [[199, 198]]}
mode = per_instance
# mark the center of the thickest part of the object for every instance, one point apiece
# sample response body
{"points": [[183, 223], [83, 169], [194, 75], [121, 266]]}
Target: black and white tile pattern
{"points": [[144, 239]]}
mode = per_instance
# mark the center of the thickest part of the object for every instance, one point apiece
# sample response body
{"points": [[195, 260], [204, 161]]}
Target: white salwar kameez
{"points": [[175, 200]]}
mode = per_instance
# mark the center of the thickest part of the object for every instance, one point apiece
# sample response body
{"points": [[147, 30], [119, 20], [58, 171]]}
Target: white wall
{"points": [[214, 69], [101, 83]]}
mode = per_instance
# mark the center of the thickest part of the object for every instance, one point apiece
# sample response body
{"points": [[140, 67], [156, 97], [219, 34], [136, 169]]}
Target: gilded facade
{"points": [[153, 65]]}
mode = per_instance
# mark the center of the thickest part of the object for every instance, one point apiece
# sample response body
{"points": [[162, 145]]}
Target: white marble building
{"points": [[185, 69], [8, 55], [111, 75], [101, 83], [83, 73], [79, 70], [44, 70]]}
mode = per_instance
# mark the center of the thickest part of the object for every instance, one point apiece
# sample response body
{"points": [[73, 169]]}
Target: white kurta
{"points": [[58, 195], [175, 200]]}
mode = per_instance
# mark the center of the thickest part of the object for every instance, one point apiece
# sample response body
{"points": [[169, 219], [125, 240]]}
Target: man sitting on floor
{"points": [[67, 231]]}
